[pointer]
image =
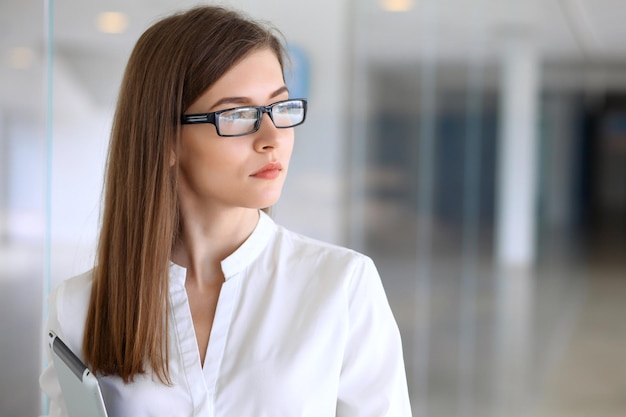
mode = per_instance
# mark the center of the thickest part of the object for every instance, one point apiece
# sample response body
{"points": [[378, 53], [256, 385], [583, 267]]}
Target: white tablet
{"points": [[80, 388]]}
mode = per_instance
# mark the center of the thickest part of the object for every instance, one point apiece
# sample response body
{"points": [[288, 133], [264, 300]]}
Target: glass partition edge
{"points": [[48, 32]]}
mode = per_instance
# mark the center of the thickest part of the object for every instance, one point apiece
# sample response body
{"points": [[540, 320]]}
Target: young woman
{"points": [[199, 304]]}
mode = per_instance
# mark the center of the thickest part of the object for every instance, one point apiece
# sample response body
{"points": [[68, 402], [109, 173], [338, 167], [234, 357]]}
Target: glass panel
{"points": [[455, 101], [23, 186]]}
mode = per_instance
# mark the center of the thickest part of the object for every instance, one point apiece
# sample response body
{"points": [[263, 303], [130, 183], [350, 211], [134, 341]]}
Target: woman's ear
{"points": [[172, 158]]}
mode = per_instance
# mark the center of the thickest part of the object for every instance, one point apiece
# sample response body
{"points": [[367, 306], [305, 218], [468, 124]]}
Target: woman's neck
{"points": [[209, 236]]}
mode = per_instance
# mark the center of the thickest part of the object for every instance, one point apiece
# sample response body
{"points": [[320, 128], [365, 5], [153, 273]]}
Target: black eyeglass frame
{"points": [[213, 117]]}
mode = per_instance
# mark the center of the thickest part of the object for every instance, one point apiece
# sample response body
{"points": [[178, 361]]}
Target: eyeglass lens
{"points": [[244, 120]]}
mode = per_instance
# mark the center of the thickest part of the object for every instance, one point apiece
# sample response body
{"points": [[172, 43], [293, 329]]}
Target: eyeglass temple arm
{"points": [[190, 119]]}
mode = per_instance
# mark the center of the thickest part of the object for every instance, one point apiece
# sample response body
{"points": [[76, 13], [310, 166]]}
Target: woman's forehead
{"points": [[258, 76]]}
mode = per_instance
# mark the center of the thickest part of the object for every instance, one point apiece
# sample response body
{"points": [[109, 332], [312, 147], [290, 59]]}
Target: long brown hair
{"points": [[172, 64]]}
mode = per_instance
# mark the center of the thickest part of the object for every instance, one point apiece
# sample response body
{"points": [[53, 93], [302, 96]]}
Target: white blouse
{"points": [[302, 328]]}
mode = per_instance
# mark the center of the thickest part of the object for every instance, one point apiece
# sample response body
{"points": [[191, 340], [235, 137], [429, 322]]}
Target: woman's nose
{"points": [[268, 135]]}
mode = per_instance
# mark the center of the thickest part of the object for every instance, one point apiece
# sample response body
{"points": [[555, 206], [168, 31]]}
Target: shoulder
{"points": [[308, 245], [336, 267], [321, 256], [68, 304], [74, 292]]}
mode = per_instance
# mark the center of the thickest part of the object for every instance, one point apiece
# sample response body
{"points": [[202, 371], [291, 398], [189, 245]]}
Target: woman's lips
{"points": [[269, 171]]}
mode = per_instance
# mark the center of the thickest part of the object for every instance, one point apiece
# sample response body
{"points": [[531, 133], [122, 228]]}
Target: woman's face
{"points": [[243, 171]]}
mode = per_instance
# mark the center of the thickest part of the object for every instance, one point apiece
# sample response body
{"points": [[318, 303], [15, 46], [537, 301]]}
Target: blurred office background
{"points": [[475, 149]]}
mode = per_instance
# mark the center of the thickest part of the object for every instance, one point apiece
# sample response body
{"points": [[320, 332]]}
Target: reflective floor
{"points": [[494, 343], [589, 377]]}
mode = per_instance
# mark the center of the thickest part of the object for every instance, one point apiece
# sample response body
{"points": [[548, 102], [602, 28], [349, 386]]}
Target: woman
{"points": [[199, 304]]}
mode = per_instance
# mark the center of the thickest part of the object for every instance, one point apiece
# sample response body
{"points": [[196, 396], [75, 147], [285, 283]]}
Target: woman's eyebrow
{"points": [[280, 91], [245, 100]]}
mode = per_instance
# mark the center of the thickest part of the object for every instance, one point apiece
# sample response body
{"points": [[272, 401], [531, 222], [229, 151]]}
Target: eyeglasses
{"points": [[241, 121]]}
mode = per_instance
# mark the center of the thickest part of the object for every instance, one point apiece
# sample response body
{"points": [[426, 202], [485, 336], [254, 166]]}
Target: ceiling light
{"points": [[112, 22], [21, 58], [397, 5]]}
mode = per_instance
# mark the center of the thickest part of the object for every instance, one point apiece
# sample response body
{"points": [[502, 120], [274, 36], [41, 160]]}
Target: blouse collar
{"points": [[243, 256], [251, 247]]}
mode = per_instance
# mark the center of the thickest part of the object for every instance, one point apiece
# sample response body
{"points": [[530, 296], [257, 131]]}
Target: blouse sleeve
{"points": [[373, 380], [48, 380]]}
